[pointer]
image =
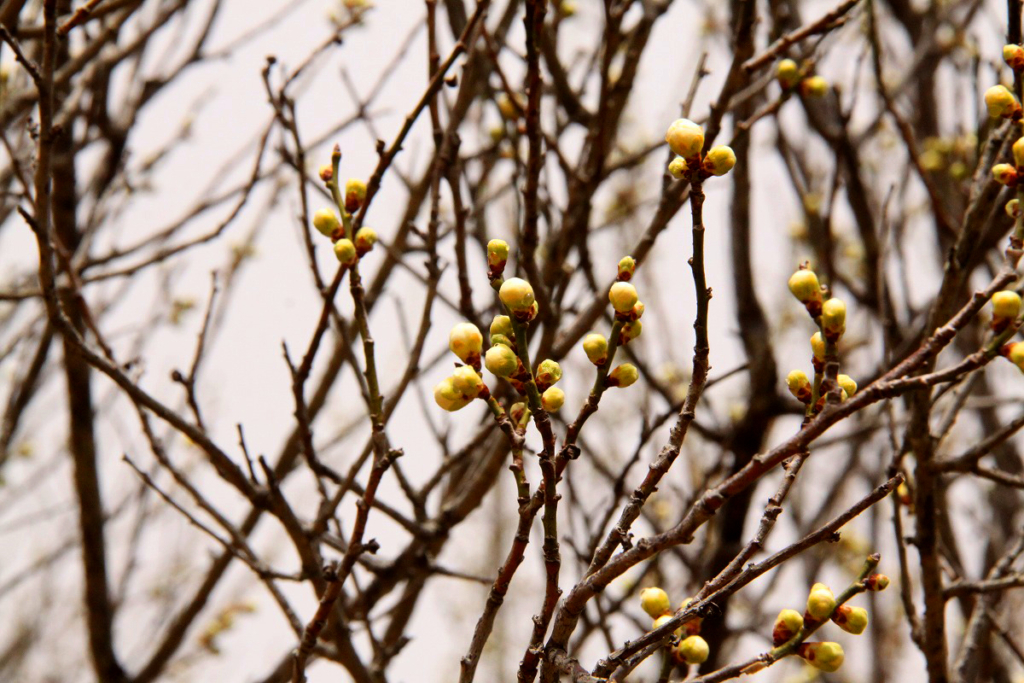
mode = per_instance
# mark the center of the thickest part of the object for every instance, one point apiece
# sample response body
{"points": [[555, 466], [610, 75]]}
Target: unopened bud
{"points": [[509, 109], [787, 624], [638, 311], [627, 266], [820, 602], [345, 251], [548, 373], [355, 193], [1013, 208], [448, 397], [719, 160], [692, 627], [326, 222], [501, 360], [501, 324], [815, 86], [365, 239], [630, 331], [596, 348], [326, 173], [805, 286], [847, 384], [677, 168], [623, 376], [497, 256], [467, 382], [787, 73], [876, 582], [1004, 174], [1013, 55], [851, 619], [502, 340], [655, 601], [623, 297], [827, 657], [833, 318], [466, 342], [517, 294], [1005, 305], [685, 138], [552, 399], [693, 650], [799, 386], [1000, 102], [519, 413], [818, 346]]}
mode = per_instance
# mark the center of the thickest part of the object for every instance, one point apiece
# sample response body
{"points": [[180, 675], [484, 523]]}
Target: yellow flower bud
{"points": [[804, 285], [827, 657], [552, 399], [1000, 102], [693, 650], [799, 385], [847, 384], [517, 294], [719, 160], [365, 239], [623, 297], [497, 254], [851, 619], [815, 86], [787, 624], [685, 138], [787, 73], [345, 251], [820, 602], [1015, 352], [627, 266], [448, 397], [818, 346], [326, 173], [876, 582], [623, 376], [654, 601], [833, 318], [1013, 55], [355, 193], [1004, 174], [1005, 305], [502, 324], [548, 372], [1018, 153], [326, 222], [1013, 208], [638, 310], [677, 168], [467, 382], [596, 348], [501, 360], [466, 342]]}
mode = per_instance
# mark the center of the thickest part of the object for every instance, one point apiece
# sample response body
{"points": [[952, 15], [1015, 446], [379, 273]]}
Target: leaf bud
{"points": [[365, 239], [654, 601], [677, 168], [827, 657], [693, 650], [851, 619], [326, 222], [345, 251], [847, 384], [448, 397], [815, 86], [787, 73], [1004, 174], [517, 294], [548, 373], [627, 266], [685, 138], [502, 324], [799, 385], [719, 160], [467, 382], [552, 399], [1000, 102], [787, 624], [596, 348], [820, 602], [623, 297], [876, 582], [501, 360], [466, 342], [355, 194], [623, 376]]}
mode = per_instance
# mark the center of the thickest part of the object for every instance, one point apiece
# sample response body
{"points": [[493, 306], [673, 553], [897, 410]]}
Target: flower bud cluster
{"points": [[691, 648], [347, 248], [686, 139]]}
